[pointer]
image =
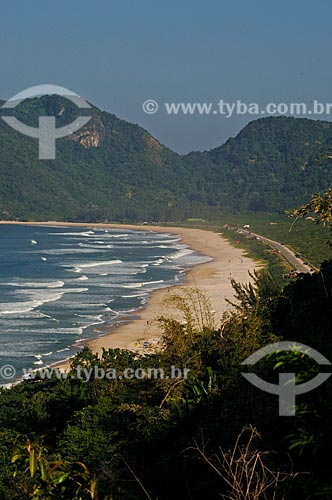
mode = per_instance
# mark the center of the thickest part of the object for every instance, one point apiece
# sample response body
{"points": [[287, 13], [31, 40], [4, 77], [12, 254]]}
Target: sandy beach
{"points": [[213, 278]]}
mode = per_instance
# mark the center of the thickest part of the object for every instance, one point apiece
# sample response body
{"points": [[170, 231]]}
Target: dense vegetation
{"points": [[273, 164], [305, 237], [164, 438], [114, 170]]}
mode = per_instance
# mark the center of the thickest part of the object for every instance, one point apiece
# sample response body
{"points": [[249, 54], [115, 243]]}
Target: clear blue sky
{"points": [[118, 53]]}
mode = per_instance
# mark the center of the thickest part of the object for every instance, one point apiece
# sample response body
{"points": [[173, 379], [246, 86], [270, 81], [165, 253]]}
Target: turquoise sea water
{"points": [[59, 284]]}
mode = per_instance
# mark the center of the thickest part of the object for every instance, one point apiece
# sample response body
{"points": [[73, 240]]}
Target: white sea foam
{"points": [[91, 304], [42, 315], [96, 320], [63, 350], [96, 264], [124, 235], [133, 285], [38, 297], [25, 318], [153, 282], [124, 312], [84, 234], [62, 331], [159, 261], [96, 237], [109, 309], [47, 294], [181, 253], [23, 315], [68, 251], [20, 307], [143, 283], [36, 284], [56, 284], [166, 240], [134, 296], [98, 246]]}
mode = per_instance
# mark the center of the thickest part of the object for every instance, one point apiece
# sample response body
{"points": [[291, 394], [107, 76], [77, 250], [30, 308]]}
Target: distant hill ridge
{"points": [[115, 170]]}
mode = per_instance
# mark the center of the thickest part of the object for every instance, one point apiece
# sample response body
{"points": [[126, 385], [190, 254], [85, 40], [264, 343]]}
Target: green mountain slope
{"points": [[273, 164], [109, 170], [115, 170]]}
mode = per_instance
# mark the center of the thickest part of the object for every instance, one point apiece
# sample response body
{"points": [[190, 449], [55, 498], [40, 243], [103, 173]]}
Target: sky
{"points": [[120, 53]]}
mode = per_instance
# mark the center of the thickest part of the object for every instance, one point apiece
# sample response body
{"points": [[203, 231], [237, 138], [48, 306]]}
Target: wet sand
{"points": [[213, 278]]}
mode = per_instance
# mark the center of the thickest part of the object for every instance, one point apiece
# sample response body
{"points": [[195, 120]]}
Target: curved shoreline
{"points": [[213, 278]]}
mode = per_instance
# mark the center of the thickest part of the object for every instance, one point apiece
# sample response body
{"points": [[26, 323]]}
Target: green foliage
{"points": [[191, 303], [157, 437], [271, 165], [305, 237], [320, 207], [54, 478], [114, 170]]}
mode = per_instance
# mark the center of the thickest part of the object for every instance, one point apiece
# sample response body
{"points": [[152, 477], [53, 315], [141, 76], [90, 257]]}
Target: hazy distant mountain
{"points": [[115, 170]]}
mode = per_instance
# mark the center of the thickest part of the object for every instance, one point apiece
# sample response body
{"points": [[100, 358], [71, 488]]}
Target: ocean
{"points": [[59, 285]]}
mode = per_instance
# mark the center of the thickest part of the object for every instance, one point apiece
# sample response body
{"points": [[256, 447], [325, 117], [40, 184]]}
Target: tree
{"points": [[319, 205]]}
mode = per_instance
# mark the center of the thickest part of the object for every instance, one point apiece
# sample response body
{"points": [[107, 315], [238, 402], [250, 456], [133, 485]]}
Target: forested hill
{"points": [[115, 170], [273, 164]]}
